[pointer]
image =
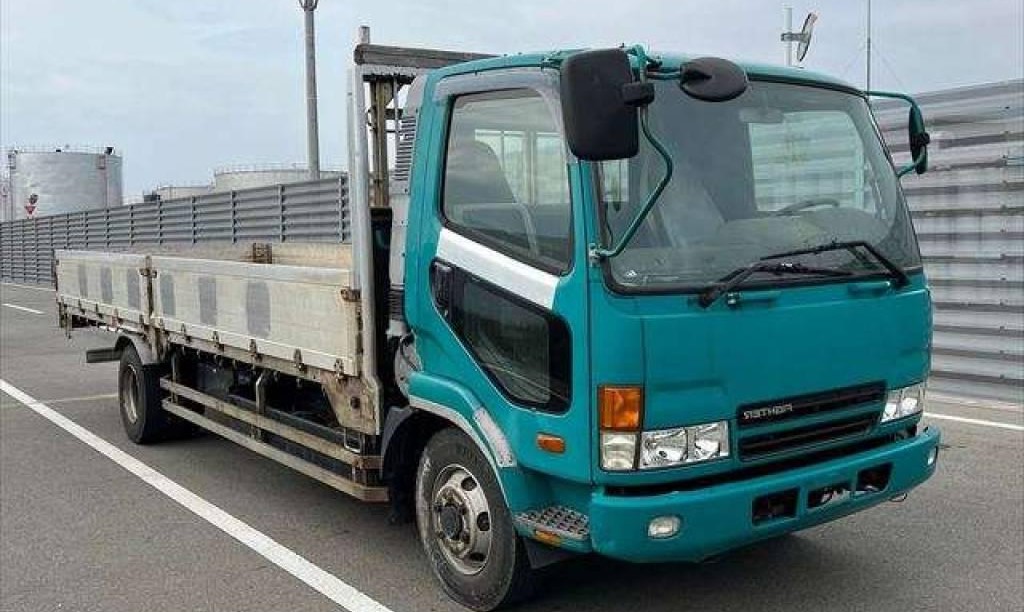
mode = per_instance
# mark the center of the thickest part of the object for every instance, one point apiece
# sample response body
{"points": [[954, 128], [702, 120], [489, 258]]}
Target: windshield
{"points": [[779, 168]]}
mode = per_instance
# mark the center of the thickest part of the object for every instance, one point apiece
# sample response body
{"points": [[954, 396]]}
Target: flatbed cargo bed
{"points": [[247, 299], [276, 309]]}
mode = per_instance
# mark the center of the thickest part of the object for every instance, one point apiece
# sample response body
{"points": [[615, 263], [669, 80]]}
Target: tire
{"points": [[458, 498], [139, 395]]}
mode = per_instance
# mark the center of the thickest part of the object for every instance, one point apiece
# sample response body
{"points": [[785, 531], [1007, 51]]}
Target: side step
{"points": [[560, 520], [319, 445]]}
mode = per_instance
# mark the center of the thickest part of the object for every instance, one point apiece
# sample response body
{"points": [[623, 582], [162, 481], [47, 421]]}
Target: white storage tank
{"points": [[62, 179], [6, 203], [247, 177], [173, 192]]}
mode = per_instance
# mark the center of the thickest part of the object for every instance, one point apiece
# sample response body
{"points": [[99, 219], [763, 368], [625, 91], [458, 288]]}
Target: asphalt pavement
{"points": [[80, 532]]}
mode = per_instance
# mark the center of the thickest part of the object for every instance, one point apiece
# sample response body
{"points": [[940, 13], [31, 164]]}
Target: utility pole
{"points": [[867, 79], [312, 130], [789, 42]]}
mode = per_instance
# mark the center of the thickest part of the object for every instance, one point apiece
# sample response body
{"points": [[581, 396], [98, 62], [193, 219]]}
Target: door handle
{"points": [[441, 287]]}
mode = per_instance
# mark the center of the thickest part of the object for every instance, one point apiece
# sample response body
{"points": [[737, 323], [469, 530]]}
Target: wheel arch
{"points": [[142, 348], [436, 403]]}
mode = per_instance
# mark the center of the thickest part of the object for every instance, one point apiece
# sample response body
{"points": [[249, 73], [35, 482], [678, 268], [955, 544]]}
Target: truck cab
{"points": [[676, 303], [654, 307]]}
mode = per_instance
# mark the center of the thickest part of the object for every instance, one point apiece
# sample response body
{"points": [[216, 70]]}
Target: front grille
{"points": [[763, 445], [755, 443], [788, 408]]}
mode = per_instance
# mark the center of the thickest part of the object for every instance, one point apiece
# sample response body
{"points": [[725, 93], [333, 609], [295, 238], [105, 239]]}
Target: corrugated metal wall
{"points": [[315, 211], [968, 210]]}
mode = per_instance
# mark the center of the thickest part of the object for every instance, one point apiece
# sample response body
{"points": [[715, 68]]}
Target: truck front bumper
{"points": [[719, 518]]}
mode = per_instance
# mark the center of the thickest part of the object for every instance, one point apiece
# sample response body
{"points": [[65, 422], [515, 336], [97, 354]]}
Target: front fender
{"points": [[456, 404]]}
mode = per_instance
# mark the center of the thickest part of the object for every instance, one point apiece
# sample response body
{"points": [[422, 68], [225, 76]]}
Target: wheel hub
{"points": [[461, 519], [129, 394], [451, 522]]}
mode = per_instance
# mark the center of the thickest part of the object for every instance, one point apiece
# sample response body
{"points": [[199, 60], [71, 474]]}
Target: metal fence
{"points": [[968, 211], [315, 211]]}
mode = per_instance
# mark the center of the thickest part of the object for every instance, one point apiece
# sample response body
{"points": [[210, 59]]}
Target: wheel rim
{"points": [[461, 519], [130, 393]]}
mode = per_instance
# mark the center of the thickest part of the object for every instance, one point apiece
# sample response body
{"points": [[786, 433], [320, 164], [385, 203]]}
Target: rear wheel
{"points": [[465, 526], [139, 395]]}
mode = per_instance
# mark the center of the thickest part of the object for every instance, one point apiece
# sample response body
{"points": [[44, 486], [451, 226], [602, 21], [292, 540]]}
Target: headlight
{"points": [[663, 448], [710, 441], [618, 451], [900, 403], [684, 445]]}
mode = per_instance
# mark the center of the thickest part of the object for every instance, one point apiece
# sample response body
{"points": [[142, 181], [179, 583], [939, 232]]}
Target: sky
{"points": [[185, 86]]}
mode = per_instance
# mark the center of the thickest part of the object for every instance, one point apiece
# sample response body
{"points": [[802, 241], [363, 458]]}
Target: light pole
{"points": [[312, 131], [867, 76]]}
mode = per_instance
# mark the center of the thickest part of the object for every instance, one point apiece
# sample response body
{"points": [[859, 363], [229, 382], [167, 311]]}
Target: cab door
{"points": [[499, 308]]}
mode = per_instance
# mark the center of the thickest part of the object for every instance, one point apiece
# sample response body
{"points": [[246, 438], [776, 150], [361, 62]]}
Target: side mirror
{"points": [[919, 137], [712, 79], [919, 140], [600, 123]]}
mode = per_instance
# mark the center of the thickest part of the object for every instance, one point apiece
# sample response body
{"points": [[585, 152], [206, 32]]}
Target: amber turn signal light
{"points": [[620, 407], [550, 443], [547, 537]]}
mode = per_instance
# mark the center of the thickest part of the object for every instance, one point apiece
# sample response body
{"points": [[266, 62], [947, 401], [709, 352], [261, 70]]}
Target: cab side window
{"points": [[506, 180]]}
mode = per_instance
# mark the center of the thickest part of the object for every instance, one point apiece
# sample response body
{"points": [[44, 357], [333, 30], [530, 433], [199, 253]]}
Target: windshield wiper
{"points": [[735, 278], [896, 272]]}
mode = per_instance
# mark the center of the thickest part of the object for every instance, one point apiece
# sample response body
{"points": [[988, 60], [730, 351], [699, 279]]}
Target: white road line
{"points": [[80, 398], [327, 584], [68, 400], [950, 417], [33, 287], [24, 308]]}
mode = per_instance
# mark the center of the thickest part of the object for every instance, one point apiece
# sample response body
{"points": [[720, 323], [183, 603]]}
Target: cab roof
{"points": [[671, 61]]}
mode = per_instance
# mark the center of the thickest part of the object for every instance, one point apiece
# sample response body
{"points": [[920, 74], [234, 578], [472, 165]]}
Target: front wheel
{"points": [[465, 526]]}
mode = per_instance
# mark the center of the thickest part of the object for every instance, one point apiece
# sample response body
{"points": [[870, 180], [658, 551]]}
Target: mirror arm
{"points": [[892, 94], [913, 103], [910, 167], [923, 139], [598, 252]]}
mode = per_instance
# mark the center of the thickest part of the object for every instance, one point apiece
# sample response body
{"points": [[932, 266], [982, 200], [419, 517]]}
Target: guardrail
{"points": [[314, 211]]}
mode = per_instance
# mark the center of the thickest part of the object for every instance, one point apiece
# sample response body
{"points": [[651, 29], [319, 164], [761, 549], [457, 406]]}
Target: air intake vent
{"points": [[396, 304], [403, 157]]}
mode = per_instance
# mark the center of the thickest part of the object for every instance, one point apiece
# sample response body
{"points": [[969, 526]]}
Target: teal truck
{"points": [[642, 305]]}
